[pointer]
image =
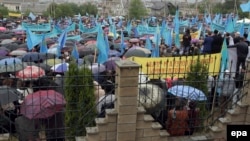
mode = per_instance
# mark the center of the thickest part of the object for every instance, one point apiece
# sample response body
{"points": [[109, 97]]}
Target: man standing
{"points": [[207, 44], [186, 40], [242, 52], [217, 42]]}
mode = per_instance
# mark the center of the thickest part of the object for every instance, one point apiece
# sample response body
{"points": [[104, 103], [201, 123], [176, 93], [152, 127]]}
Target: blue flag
{"points": [[176, 29], [245, 7], [168, 37], [62, 39], [100, 43], [107, 43], [224, 58], [230, 25], [129, 27], [43, 45], [242, 29], [122, 44], [32, 39], [32, 16], [148, 44], [75, 53], [136, 33], [156, 50]]}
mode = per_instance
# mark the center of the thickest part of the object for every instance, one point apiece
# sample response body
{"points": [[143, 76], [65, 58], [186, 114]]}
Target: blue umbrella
{"points": [[10, 61], [60, 68], [11, 65], [187, 92]]}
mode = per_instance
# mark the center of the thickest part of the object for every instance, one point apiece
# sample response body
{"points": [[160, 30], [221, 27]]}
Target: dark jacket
{"points": [[186, 40], [207, 44], [217, 44], [27, 129], [242, 49], [236, 40]]}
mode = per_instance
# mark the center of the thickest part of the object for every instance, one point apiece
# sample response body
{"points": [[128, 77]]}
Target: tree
{"points": [[51, 10], [137, 9], [88, 8], [197, 78], [79, 94], [26, 13], [3, 11], [70, 9]]}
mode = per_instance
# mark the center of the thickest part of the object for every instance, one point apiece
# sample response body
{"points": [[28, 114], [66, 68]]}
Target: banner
{"points": [[84, 29], [145, 29], [36, 27], [51, 34], [176, 67], [14, 14]]}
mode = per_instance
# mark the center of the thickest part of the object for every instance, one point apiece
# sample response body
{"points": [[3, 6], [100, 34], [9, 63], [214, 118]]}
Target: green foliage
{"points": [[26, 13], [197, 75], [171, 10], [79, 94], [3, 11], [197, 78], [70, 9], [137, 10], [88, 8]]}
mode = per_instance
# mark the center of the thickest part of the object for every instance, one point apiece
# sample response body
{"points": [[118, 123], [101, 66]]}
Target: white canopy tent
{"points": [[246, 20]]}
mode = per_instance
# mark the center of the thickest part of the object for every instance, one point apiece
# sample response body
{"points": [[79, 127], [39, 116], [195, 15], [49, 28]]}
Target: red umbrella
{"points": [[30, 73], [42, 104], [2, 28]]}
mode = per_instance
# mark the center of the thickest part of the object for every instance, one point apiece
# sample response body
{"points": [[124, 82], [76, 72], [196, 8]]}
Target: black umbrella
{"points": [[12, 46], [5, 36], [8, 95], [4, 48], [85, 51], [135, 53], [24, 45], [33, 57]]}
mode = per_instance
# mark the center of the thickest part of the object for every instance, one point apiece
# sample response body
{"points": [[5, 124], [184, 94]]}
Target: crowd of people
{"points": [[180, 119]]}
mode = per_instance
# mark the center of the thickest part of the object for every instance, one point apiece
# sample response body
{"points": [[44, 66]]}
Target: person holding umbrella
{"points": [[9, 103]]}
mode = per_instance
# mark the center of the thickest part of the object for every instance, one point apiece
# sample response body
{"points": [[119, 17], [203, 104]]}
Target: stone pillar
{"points": [[246, 89], [126, 99]]}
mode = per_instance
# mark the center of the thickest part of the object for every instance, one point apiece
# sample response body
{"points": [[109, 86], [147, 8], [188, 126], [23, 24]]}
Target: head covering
{"points": [[237, 33], [227, 72]]}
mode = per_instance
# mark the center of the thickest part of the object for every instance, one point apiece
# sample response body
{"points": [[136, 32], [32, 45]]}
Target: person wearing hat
{"points": [[227, 86]]}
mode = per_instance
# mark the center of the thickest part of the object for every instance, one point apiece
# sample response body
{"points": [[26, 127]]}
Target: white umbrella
{"points": [[150, 96]]}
